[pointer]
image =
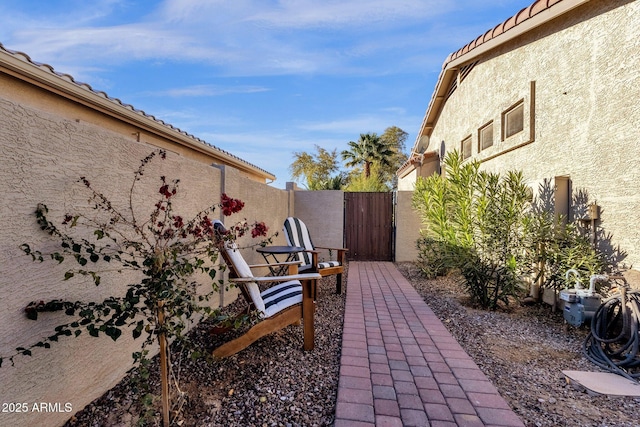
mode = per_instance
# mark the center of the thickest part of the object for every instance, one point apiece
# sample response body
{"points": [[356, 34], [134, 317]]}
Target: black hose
{"points": [[614, 341]]}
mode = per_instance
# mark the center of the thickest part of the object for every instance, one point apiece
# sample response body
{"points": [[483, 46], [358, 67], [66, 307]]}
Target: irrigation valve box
{"points": [[579, 305]]}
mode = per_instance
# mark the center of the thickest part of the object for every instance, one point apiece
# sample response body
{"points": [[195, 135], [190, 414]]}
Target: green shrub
{"points": [[478, 218], [557, 246], [433, 257]]}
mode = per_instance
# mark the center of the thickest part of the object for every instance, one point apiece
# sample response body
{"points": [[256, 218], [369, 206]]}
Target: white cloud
{"points": [[242, 37], [205, 90]]}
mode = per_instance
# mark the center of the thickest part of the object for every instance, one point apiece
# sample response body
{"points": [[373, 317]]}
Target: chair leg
{"points": [[281, 320], [308, 308], [338, 283]]}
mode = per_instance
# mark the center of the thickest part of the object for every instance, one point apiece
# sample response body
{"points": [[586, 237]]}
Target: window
{"points": [[466, 148], [513, 120], [485, 136]]}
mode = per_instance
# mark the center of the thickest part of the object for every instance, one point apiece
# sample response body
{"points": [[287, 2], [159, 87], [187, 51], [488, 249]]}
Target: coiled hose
{"points": [[614, 340]]}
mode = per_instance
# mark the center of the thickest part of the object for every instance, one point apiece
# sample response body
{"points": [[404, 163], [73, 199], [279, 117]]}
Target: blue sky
{"points": [[261, 79]]}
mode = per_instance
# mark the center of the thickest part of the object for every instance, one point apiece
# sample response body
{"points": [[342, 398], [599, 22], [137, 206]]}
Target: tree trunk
{"points": [[164, 368]]}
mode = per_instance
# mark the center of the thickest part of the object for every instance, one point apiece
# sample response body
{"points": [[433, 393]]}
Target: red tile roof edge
{"points": [[523, 15], [67, 77]]}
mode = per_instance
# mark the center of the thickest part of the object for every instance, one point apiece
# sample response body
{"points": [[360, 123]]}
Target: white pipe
{"points": [[596, 278], [578, 285]]}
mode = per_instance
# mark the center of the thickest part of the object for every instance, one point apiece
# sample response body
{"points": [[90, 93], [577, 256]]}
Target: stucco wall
{"points": [[323, 213], [47, 144], [43, 157], [586, 115], [407, 228]]}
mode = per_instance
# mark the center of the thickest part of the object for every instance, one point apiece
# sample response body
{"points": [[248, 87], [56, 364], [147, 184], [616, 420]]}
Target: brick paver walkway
{"points": [[401, 367]]}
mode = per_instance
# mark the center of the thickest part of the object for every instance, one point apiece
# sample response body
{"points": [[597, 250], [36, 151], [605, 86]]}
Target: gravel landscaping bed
{"points": [[523, 351], [275, 383]]}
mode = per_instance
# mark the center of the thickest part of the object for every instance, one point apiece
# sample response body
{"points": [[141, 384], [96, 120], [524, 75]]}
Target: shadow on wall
{"points": [[582, 208], [589, 218]]}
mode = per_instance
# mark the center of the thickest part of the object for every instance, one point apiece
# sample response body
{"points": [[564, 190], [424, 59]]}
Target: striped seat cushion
{"points": [[297, 234], [328, 264], [272, 300], [281, 296]]}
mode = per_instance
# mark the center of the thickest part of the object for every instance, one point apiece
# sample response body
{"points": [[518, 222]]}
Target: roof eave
{"points": [[453, 62], [64, 85]]}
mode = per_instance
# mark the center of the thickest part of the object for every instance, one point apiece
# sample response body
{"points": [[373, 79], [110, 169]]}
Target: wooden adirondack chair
{"points": [[297, 234], [281, 305]]}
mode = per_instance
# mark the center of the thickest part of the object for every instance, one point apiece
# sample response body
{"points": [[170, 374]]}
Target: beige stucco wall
{"points": [[323, 213], [43, 156], [262, 203], [47, 144], [586, 119], [407, 228]]}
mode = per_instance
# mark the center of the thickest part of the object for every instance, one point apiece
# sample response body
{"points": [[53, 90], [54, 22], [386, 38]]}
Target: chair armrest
{"points": [[305, 276], [333, 249], [341, 253]]}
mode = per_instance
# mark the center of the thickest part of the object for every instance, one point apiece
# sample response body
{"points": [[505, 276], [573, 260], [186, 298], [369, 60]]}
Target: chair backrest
{"points": [[297, 234], [237, 263]]}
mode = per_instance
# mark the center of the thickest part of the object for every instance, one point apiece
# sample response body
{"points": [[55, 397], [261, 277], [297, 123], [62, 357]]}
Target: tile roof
{"points": [[539, 12], [119, 104], [517, 19]]}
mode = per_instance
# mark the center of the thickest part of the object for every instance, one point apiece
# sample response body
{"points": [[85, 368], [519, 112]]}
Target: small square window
{"points": [[465, 147], [485, 136], [513, 120]]}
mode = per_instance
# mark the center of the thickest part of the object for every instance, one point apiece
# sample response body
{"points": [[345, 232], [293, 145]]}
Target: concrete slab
{"points": [[606, 383]]}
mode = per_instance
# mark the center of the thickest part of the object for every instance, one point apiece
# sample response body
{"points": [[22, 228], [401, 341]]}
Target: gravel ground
{"points": [[275, 383], [523, 352]]}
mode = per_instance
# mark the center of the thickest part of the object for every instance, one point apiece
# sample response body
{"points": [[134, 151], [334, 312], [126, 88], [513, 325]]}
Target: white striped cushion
{"points": [[328, 264], [272, 300], [281, 296], [297, 234], [243, 270]]}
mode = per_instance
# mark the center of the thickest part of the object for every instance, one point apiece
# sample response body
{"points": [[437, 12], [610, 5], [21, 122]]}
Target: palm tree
{"points": [[370, 148]]}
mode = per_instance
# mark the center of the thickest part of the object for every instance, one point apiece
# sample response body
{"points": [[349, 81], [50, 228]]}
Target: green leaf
{"points": [[99, 234], [68, 275]]}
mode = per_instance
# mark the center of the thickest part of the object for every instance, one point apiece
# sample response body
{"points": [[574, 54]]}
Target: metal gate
{"points": [[369, 227]]}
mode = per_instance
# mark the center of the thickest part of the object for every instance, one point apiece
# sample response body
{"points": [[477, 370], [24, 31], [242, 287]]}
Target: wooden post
{"points": [[308, 292], [164, 371]]}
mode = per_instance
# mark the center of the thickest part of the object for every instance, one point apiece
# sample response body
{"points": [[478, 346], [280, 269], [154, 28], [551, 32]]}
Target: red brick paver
{"points": [[401, 367]]}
